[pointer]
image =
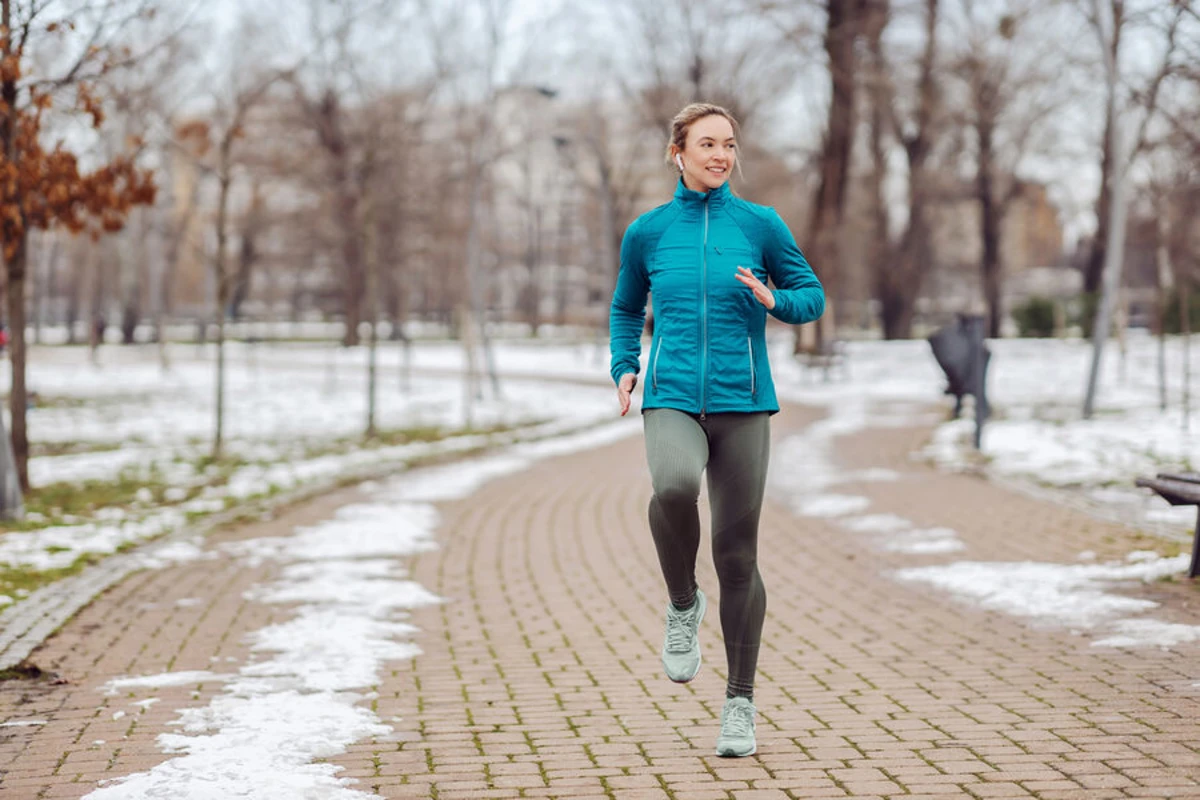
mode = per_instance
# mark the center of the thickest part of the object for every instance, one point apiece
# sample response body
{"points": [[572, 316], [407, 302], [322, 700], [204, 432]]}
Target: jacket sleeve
{"points": [[627, 316], [799, 296]]}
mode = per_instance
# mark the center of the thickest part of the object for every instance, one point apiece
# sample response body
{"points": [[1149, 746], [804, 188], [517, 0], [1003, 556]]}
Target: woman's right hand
{"points": [[625, 390]]}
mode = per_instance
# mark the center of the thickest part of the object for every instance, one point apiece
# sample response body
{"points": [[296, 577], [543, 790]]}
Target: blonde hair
{"points": [[683, 121]]}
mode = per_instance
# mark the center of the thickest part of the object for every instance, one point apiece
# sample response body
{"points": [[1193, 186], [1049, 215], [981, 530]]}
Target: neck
{"points": [[687, 182]]}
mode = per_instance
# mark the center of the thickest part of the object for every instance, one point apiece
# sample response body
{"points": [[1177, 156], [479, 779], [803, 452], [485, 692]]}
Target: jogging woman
{"points": [[706, 257]]}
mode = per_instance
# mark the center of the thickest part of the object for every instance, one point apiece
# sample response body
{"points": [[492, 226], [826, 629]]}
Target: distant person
{"points": [[708, 395]]}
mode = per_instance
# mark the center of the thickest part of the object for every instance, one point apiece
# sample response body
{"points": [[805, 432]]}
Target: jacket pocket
{"points": [[753, 377], [654, 364]]}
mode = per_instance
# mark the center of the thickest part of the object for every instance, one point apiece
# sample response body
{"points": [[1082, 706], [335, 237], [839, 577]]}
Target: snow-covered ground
{"points": [[289, 404], [300, 702], [282, 395], [1037, 438], [1037, 435], [293, 416]]}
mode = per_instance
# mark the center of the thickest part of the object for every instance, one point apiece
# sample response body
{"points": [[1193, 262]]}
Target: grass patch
{"points": [[393, 437], [37, 400], [390, 438], [48, 449], [17, 582], [218, 471], [48, 505], [139, 490]]}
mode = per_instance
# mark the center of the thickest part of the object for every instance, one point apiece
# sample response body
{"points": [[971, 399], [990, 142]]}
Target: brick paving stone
{"points": [[541, 675]]}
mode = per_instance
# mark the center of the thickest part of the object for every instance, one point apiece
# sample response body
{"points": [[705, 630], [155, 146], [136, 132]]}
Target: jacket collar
{"points": [[714, 197]]}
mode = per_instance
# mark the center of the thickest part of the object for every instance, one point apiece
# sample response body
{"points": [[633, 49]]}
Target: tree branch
{"points": [[1151, 102]]}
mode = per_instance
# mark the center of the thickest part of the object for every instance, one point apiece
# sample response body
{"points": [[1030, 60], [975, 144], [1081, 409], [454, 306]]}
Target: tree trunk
{"points": [[886, 274], [1163, 279], [1185, 328], [825, 222], [900, 272], [14, 266], [37, 290], [533, 266], [18, 397], [72, 312], [97, 322], [476, 314], [131, 247], [471, 374], [990, 212], [372, 298], [1093, 273], [222, 296], [247, 257], [1114, 246], [162, 307], [352, 297], [610, 239]]}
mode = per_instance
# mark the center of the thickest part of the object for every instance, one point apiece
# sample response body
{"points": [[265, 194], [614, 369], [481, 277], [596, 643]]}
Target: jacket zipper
{"points": [[753, 382], [654, 368], [704, 313]]}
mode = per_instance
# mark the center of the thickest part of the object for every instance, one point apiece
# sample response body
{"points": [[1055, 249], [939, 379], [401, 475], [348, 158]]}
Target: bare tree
{"points": [[474, 94], [77, 44], [900, 269], [1006, 67], [607, 159], [844, 20], [236, 96], [1106, 24]]}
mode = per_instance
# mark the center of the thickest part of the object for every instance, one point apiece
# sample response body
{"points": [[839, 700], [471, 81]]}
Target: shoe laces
{"points": [[679, 629], [739, 720]]}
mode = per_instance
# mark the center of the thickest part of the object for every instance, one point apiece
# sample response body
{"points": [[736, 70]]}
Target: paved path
{"points": [[540, 676]]}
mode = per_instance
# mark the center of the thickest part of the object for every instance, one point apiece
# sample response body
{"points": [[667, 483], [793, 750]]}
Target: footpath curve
{"points": [[540, 674]]}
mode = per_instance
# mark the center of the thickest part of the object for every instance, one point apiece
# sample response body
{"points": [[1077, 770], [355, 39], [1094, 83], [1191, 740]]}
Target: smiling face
{"points": [[710, 153]]}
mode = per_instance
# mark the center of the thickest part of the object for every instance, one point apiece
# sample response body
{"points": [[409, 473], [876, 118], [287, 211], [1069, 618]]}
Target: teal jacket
{"points": [[709, 350]]}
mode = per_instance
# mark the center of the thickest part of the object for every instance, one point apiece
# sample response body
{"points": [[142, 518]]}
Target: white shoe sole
{"points": [[730, 753], [700, 662]]}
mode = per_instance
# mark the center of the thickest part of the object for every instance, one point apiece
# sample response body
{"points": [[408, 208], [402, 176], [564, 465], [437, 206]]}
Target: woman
{"points": [[708, 395]]}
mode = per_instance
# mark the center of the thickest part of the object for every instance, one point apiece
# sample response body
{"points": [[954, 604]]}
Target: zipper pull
{"points": [[702, 417]]}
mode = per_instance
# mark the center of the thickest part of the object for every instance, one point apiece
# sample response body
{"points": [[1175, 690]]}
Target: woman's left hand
{"points": [[761, 293]]}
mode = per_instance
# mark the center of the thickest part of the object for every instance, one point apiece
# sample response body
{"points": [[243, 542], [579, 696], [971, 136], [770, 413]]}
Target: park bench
{"points": [[1179, 489]]}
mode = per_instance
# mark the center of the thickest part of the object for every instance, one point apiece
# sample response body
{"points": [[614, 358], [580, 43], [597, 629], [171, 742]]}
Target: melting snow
{"points": [[1069, 595]]}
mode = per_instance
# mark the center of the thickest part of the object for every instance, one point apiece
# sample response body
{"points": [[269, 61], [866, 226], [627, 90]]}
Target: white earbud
{"points": [[679, 161]]}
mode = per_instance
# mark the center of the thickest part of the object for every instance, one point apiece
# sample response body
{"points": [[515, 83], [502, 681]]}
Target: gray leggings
{"points": [[734, 449]]}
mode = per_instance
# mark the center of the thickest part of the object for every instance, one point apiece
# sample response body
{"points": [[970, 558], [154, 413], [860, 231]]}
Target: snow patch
{"points": [[926, 542], [162, 680], [877, 523], [1149, 633], [1069, 595], [831, 505]]}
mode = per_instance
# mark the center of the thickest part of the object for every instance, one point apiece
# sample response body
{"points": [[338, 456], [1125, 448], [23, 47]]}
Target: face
{"points": [[710, 153]]}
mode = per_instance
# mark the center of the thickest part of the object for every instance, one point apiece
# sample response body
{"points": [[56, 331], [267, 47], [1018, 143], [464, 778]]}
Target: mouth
{"points": [[717, 171]]}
